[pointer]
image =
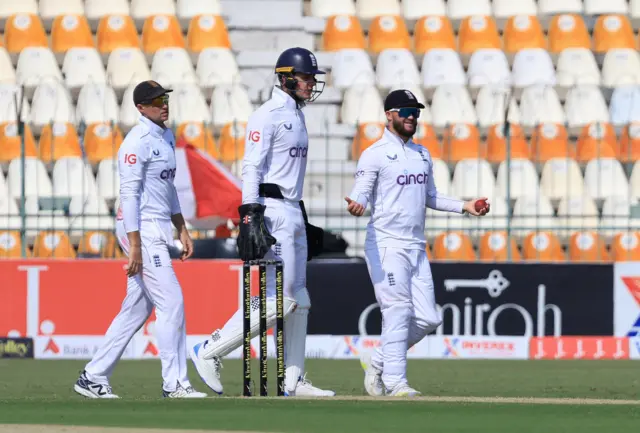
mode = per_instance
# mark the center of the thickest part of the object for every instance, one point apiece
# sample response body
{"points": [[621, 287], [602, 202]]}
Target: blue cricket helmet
{"points": [[298, 60]]}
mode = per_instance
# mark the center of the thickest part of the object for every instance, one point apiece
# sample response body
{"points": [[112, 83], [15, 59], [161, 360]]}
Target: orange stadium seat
{"points": [[523, 32], [70, 31], [433, 32], [101, 141], [58, 141], [497, 144], [161, 31], [612, 31], [116, 31], [11, 142], [98, 244], [625, 247], [367, 134], [426, 137], [343, 32], [568, 31], [207, 31], [231, 141], [11, 245], [476, 33], [588, 247], [597, 140], [53, 245], [630, 143], [197, 135], [542, 246], [550, 141], [462, 141], [22, 31], [494, 247], [387, 32], [455, 246]]}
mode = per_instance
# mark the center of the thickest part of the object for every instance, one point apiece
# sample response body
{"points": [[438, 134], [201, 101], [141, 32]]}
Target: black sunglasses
{"points": [[407, 112]]}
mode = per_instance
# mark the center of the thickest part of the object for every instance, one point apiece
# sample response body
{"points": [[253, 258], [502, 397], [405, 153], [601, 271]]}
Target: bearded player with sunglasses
{"points": [[395, 176], [148, 207]]}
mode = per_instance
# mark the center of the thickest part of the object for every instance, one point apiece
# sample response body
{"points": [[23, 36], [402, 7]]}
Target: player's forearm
{"points": [[178, 222], [440, 202], [134, 239]]}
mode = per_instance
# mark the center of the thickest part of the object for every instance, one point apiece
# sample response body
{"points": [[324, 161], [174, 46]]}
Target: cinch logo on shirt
{"points": [[298, 152], [412, 179], [168, 174]]}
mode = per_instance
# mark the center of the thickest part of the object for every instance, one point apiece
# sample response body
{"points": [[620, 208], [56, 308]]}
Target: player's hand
{"points": [[354, 208], [134, 267], [187, 245], [470, 206]]}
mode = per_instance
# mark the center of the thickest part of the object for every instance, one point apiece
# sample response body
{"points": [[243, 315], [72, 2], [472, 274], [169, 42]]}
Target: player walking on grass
{"points": [[395, 176], [273, 222], [148, 206]]}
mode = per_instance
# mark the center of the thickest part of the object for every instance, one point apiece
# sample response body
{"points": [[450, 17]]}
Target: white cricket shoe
{"points": [[208, 369], [372, 376], [403, 390], [181, 392], [304, 388], [90, 389]]}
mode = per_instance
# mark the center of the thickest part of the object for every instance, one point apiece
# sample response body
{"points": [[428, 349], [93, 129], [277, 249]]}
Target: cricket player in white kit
{"points": [[273, 223], [148, 207], [395, 176]]}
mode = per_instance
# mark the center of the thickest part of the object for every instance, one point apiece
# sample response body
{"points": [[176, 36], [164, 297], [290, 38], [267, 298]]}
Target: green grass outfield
{"points": [[40, 392]]}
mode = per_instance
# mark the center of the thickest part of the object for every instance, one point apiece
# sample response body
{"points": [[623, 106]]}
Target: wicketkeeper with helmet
{"points": [[273, 221]]}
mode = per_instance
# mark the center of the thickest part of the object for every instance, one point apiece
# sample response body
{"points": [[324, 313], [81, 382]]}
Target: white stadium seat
{"points": [[97, 103], [51, 103], [540, 104], [10, 103], [523, 179], [81, 66], [172, 67], [458, 9], [187, 9], [452, 104], [491, 104], [585, 105], [327, 8], [96, 9], [503, 9], [576, 66], [440, 67], [128, 114], [634, 180], [229, 104], [416, 9], [43, 219], [442, 176], [126, 66], [473, 178], [369, 9], [489, 66], [141, 9], [616, 215], [89, 213], [37, 182], [396, 66], [352, 67], [49, 9], [561, 177], [532, 213], [621, 67], [362, 104], [553, 7], [107, 179], [34, 65], [217, 66], [602, 7], [187, 104], [13, 7], [605, 177], [624, 107], [533, 67], [577, 213], [9, 214], [7, 72], [72, 177]]}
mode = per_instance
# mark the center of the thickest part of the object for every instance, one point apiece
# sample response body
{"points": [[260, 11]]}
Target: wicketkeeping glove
{"points": [[254, 240]]}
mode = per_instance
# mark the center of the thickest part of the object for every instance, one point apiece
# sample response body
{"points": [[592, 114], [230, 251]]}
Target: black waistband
{"points": [[270, 190]]}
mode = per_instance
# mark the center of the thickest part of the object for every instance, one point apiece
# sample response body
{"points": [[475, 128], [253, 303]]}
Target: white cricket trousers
{"points": [[403, 287], [157, 286], [285, 222]]}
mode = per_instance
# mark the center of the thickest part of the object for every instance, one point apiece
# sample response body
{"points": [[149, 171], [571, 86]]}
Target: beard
{"points": [[403, 129]]}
